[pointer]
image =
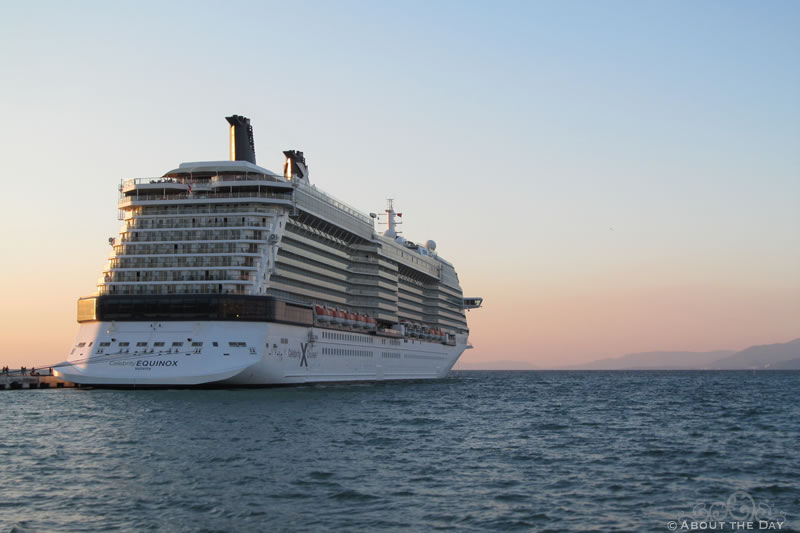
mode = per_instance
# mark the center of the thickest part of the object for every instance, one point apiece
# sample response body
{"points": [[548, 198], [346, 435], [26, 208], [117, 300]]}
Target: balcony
{"points": [[215, 181], [185, 223], [164, 199]]}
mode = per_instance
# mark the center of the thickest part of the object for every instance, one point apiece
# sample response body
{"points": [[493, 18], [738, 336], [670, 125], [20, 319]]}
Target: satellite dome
{"points": [[430, 245]]}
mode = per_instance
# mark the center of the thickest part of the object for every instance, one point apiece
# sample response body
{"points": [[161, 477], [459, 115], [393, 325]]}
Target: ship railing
{"points": [[254, 177], [195, 249], [160, 211], [156, 272], [325, 197], [183, 238], [140, 224], [165, 290], [167, 280], [168, 211], [129, 200], [130, 182], [199, 264], [157, 276], [161, 180]]}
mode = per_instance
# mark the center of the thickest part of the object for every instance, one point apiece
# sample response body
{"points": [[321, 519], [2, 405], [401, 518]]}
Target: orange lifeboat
{"points": [[361, 321], [338, 316], [322, 313]]}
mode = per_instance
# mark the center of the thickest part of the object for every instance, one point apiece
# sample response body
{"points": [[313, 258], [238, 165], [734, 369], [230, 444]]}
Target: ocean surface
{"points": [[478, 451]]}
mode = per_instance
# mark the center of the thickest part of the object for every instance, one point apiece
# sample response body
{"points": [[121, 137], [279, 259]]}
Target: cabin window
{"points": [[124, 344], [197, 344], [177, 343], [158, 344], [141, 344]]}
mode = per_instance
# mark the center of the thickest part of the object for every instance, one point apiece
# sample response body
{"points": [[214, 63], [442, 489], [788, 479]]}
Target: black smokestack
{"points": [[243, 148], [295, 166]]}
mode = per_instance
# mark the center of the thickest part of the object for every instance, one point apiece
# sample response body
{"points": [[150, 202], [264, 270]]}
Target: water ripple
{"points": [[498, 451]]}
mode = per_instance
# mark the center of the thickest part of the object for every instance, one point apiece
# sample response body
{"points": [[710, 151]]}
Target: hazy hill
{"points": [[766, 356], [657, 361], [496, 365], [781, 356], [791, 364]]}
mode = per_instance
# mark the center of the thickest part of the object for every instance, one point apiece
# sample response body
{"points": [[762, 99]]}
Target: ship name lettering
{"points": [[156, 363], [303, 360]]}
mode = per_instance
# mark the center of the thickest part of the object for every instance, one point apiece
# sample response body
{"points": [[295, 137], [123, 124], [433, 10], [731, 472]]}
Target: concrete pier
{"points": [[18, 382]]}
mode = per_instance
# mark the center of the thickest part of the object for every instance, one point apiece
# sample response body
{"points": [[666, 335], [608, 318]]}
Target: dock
{"points": [[20, 382]]}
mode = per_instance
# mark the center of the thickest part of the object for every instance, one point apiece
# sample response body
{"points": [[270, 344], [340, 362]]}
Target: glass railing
{"points": [[129, 200], [168, 289], [327, 198], [217, 276], [139, 224], [161, 238], [132, 182], [212, 262], [254, 177], [187, 249]]}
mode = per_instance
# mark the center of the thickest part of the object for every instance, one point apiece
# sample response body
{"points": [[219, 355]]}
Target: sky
{"points": [[612, 177]]}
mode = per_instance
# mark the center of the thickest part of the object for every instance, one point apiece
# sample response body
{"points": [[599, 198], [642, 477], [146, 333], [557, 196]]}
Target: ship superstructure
{"points": [[226, 273]]}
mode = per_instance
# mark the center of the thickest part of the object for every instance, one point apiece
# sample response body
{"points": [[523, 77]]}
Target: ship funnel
{"points": [[295, 166], [243, 148]]}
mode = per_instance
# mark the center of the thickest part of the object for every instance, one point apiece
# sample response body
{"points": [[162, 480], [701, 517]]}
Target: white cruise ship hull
{"points": [[246, 354]]}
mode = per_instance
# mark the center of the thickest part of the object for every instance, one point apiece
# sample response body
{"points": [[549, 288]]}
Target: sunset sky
{"points": [[611, 177]]}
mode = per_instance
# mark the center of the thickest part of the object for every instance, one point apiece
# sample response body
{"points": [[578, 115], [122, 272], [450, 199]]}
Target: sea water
{"points": [[477, 451]]}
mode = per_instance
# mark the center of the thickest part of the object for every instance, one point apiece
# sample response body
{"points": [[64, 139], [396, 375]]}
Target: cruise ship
{"points": [[227, 274]]}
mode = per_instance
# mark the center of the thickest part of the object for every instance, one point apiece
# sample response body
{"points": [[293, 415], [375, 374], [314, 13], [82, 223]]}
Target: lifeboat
{"points": [[322, 313], [371, 323], [361, 321], [350, 319], [338, 316]]}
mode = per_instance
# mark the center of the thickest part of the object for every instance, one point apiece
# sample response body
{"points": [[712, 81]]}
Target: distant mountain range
{"points": [[782, 356], [657, 361]]}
